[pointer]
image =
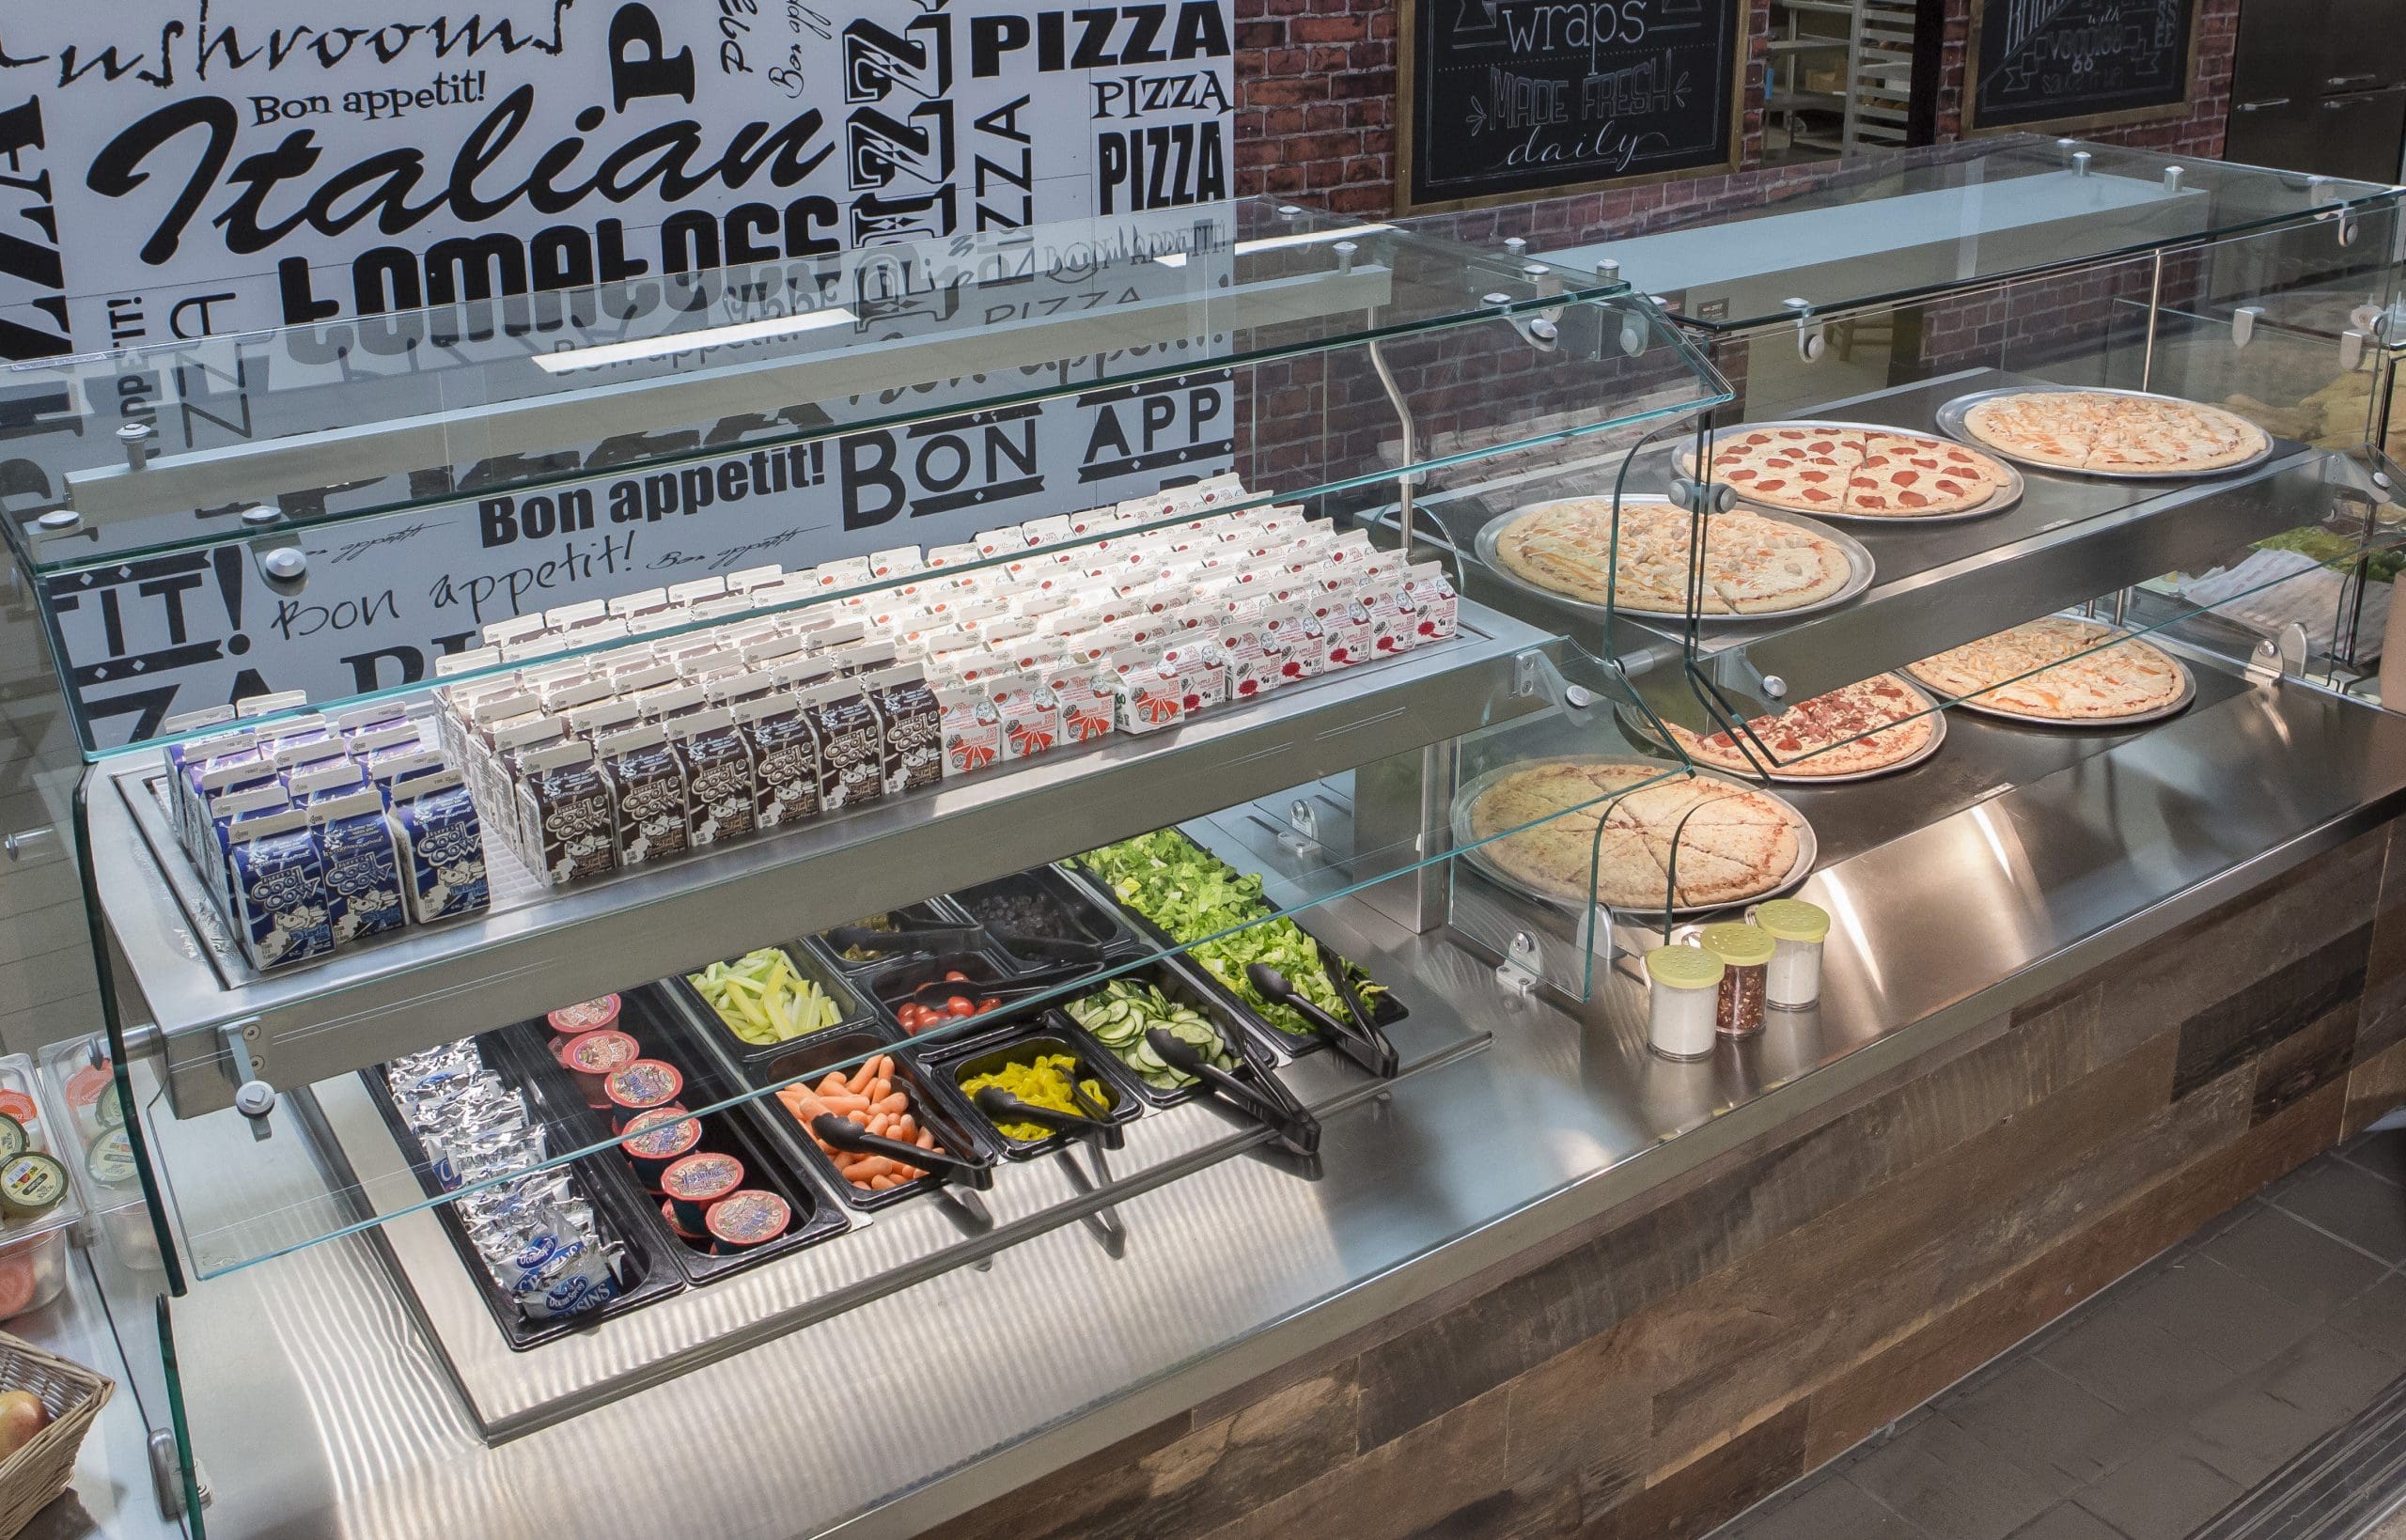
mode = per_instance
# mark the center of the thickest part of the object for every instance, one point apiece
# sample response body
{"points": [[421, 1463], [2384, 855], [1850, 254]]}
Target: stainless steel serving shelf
{"points": [[1937, 585], [533, 951]]}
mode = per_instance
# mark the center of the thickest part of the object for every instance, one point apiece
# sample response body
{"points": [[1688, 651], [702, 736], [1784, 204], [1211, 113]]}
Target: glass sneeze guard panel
{"points": [[1943, 217], [484, 394], [234, 1200]]}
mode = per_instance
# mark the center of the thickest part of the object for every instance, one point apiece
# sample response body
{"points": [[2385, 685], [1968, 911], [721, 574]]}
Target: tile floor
{"points": [[2142, 1413]]}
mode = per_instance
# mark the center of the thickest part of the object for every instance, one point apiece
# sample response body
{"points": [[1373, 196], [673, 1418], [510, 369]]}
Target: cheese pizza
{"points": [[1861, 728], [2106, 432], [1856, 472], [2061, 670], [1752, 564], [1617, 829]]}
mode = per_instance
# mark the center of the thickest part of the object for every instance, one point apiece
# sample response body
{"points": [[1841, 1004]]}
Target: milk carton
{"points": [[784, 758], [565, 810], [971, 728], [281, 912], [910, 727], [646, 784], [1436, 606], [1151, 694], [441, 847], [362, 865], [721, 800]]}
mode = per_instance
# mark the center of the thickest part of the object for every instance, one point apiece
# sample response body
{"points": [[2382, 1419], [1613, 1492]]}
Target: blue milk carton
{"points": [[362, 864], [282, 915], [441, 845]]}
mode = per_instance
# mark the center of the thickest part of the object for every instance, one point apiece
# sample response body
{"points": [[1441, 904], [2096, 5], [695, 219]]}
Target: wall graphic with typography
{"points": [[173, 171], [1525, 96], [2077, 62]]}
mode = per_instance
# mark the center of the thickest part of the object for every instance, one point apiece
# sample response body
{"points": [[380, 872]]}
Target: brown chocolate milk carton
{"points": [[648, 787], [721, 798], [784, 746], [568, 814], [852, 766], [910, 725]]}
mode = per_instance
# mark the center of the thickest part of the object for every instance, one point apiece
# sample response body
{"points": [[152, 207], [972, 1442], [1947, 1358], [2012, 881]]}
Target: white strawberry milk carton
{"points": [[1088, 705], [1151, 694], [1056, 530], [1300, 641], [1438, 608], [1253, 667], [1391, 616], [1347, 624], [1031, 716], [953, 555], [1202, 672], [970, 729]]}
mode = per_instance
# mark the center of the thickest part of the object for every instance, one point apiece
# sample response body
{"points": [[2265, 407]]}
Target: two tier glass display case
{"points": [[949, 830]]}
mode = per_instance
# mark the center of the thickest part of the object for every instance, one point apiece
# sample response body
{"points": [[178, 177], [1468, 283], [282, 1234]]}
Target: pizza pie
{"points": [[2058, 669], [1856, 472], [1752, 564], [2108, 432], [1850, 731], [1616, 829]]}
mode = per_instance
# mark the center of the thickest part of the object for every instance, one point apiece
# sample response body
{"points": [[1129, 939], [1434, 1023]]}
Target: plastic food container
{"points": [[637, 1086], [77, 1073], [810, 1066], [1683, 1000], [1745, 952], [692, 1183], [853, 1011], [656, 1140], [593, 1058], [971, 1062], [929, 912], [1062, 909], [34, 1248], [1797, 930]]}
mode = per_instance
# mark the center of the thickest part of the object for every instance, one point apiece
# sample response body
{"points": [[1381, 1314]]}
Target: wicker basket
{"points": [[34, 1475]]}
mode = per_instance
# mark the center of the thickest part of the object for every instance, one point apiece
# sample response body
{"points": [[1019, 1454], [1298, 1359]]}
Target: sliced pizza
{"points": [[1752, 564], [2114, 432], [1726, 843], [2060, 669], [1859, 729]]}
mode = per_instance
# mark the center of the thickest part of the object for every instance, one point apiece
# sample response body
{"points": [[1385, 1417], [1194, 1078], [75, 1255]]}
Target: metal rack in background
{"points": [[1874, 98]]}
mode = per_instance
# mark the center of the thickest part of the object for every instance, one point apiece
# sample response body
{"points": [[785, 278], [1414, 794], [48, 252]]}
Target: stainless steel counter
{"points": [[319, 1409]]}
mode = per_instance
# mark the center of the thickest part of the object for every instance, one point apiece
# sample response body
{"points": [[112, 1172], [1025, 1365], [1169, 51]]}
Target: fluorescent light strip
{"points": [[1309, 238], [570, 360], [1272, 242]]}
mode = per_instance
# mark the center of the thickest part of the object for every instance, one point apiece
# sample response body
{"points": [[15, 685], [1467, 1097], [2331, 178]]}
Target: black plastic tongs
{"points": [[1270, 1101], [1359, 1038], [845, 1134], [1092, 1118]]}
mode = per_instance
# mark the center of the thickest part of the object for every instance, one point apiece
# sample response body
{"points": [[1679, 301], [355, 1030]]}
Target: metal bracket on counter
{"points": [[2278, 658], [1536, 672], [2243, 324], [1812, 336], [1301, 837], [1517, 974], [167, 1479]]}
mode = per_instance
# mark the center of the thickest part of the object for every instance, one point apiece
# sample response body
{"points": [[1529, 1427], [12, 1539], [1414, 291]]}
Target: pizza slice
{"points": [[2044, 427], [1805, 469]]}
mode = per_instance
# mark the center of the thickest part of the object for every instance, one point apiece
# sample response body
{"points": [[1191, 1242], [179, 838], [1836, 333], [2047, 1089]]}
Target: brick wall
{"points": [[1316, 106]]}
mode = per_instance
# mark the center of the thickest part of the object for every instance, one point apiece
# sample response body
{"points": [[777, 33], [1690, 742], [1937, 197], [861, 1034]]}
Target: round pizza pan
{"points": [[2172, 707], [1807, 847], [1998, 501], [1951, 415], [1860, 567], [1636, 723]]}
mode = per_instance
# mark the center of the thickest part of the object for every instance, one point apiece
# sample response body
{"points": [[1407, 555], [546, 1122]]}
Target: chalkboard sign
{"points": [[2078, 64], [1507, 98]]}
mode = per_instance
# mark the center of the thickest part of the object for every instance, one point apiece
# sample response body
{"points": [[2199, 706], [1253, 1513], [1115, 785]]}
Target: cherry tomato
{"points": [[985, 1005], [955, 977], [961, 1005]]}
